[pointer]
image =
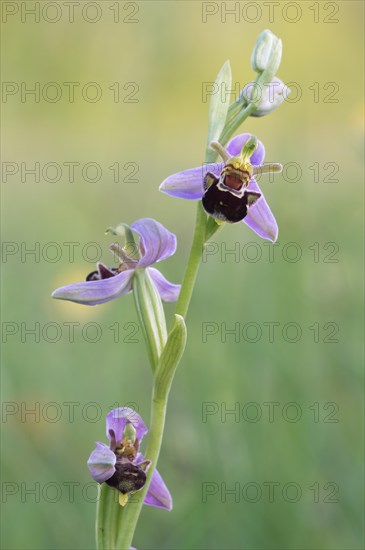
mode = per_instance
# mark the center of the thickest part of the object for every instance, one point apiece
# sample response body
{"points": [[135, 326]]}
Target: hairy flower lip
{"points": [[102, 461], [188, 184], [156, 244], [239, 172]]}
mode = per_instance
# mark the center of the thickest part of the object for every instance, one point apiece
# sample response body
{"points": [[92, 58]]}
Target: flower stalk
{"points": [[165, 354], [226, 192]]}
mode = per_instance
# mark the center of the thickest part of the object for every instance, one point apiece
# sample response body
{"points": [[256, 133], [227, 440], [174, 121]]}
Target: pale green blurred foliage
{"points": [[170, 53]]}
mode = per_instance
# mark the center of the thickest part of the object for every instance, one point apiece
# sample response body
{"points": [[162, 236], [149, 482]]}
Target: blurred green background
{"points": [[314, 439]]}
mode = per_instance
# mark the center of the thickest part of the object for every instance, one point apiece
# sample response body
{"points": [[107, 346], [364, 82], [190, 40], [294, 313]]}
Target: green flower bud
{"points": [[267, 96], [266, 55], [150, 314], [170, 357]]}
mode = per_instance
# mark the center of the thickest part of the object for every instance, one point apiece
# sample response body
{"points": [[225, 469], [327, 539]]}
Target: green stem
{"points": [[108, 516], [236, 123], [192, 268]]}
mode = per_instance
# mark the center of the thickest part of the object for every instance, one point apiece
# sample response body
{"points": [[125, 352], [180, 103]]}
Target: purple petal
{"points": [[168, 291], [158, 494], [101, 463], [235, 145], [92, 293], [259, 216], [117, 419], [156, 242], [188, 184]]}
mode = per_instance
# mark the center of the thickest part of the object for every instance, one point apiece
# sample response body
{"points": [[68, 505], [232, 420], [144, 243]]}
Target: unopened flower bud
{"points": [[267, 96], [266, 55]]}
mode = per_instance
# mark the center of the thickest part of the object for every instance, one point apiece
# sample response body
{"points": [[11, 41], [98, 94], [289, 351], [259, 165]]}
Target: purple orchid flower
{"points": [[105, 284], [121, 465], [195, 184]]}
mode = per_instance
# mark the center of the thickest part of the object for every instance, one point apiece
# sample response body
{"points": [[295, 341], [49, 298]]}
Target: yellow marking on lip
{"points": [[123, 499]]}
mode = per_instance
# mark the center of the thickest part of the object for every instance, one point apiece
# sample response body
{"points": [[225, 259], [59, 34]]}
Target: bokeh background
{"points": [[314, 439]]}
